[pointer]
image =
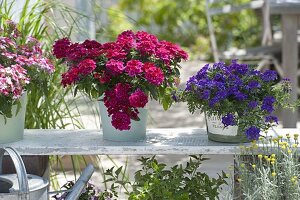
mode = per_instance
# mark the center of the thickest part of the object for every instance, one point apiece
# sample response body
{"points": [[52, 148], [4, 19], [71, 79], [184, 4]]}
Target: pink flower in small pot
{"points": [[126, 72]]}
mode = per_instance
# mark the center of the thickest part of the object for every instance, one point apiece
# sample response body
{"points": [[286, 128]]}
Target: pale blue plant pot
{"points": [[137, 131], [13, 129]]}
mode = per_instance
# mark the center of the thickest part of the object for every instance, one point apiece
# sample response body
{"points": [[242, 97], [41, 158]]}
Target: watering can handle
{"points": [[20, 169]]}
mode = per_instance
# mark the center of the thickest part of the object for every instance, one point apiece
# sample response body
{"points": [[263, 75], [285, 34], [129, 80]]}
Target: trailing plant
{"points": [[269, 169], [125, 72], [238, 94], [154, 181]]}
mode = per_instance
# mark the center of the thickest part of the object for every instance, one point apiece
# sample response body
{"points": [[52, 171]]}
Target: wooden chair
{"points": [[263, 54]]}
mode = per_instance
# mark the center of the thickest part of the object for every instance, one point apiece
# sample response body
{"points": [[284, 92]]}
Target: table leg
{"points": [[290, 63]]}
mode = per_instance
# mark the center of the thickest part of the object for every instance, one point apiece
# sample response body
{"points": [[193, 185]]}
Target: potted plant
{"points": [[22, 66], [124, 73], [155, 180], [238, 100]]}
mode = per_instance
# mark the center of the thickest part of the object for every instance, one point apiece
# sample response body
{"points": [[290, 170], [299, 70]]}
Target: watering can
{"points": [[23, 186]]}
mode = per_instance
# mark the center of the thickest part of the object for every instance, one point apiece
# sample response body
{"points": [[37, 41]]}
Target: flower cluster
{"points": [[126, 71], [21, 62], [237, 93]]}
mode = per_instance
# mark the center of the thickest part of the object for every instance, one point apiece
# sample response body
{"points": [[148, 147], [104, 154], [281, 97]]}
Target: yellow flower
{"points": [[275, 140], [273, 174], [283, 147], [266, 157], [296, 135], [273, 159], [273, 155], [242, 165], [295, 145], [260, 156], [253, 166], [269, 159], [239, 180], [288, 135], [293, 179], [290, 151], [273, 163], [280, 143], [280, 137]]}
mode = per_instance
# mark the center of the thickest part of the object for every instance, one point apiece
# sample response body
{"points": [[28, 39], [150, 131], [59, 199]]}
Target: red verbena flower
{"points": [[115, 67], [138, 99], [134, 67], [153, 74], [60, 48], [121, 121], [87, 66]]}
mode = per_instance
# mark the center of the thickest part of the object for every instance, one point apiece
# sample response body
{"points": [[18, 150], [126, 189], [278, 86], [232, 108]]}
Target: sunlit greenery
{"points": [[184, 22]]}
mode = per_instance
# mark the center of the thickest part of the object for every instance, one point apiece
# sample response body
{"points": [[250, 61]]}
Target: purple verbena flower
{"points": [[267, 104], [228, 120], [271, 119], [269, 75], [252, 133], [252, 104], [253, 85]]}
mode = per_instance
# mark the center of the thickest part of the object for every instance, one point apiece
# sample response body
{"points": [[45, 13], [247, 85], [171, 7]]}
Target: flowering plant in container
{"points": [[238, 94], [22, 66], [125, 72]]}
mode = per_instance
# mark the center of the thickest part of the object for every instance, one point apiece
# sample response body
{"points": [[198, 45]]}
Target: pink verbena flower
{"points": [[134, 67], [126, 40], [174, 50], [94, 48], [87, 66], [61, 47], [114, 51], [70, 77], [138, 99], [153, 74], [76, 52], [115, 67], [146, 43], [121, 121]]}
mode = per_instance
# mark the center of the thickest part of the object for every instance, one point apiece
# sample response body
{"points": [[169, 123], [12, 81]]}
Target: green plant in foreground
{"points": [[271, 171], [154, 181]]}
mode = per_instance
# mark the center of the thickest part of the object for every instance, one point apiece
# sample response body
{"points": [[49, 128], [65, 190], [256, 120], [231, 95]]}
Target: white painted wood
{"points": [[290, 63], [90, 142]]}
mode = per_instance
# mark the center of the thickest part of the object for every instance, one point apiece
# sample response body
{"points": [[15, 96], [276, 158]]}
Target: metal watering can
{"points": [[23, 186]]}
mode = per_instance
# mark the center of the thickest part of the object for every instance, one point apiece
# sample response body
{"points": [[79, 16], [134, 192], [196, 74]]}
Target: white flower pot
{"points": [[137, 131], [13, 129], [217, 132]]}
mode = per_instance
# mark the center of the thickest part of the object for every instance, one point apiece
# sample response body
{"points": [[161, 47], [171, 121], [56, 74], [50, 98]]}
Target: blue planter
{"points": [[137, 131], [13, 129]]}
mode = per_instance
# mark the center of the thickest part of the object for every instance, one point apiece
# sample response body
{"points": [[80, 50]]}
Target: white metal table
{"points": [[90, 142]]}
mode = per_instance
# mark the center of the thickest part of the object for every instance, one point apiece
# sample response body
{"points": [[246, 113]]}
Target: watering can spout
{"points": [[80, 183]]}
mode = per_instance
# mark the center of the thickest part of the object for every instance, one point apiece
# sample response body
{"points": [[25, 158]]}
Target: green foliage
{"points": [[155, 181], [184, 22], [270, 169]]}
